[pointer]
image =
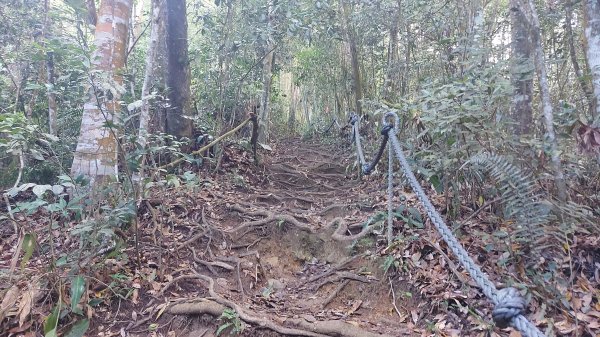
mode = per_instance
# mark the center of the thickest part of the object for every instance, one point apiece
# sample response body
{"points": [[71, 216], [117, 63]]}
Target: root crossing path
{"points": [[288, 250]]}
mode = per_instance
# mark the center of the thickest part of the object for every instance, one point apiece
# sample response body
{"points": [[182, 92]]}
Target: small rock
{"points": [[309, 318], [223, 282], [273, 261], [275, 284]]}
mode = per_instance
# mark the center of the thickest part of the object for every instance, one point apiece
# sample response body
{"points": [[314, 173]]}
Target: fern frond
{"points": [[522, 201]]}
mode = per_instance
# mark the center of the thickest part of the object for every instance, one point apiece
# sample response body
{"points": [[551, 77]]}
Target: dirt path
{"points": [[273, 252]]}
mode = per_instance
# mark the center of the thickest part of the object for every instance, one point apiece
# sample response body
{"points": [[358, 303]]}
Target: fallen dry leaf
{"points": [[25, 306], [10, 298]]}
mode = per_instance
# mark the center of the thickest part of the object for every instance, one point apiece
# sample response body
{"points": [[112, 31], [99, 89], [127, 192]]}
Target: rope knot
{"points": [[366, 168], [386, 129], [510, 304], [353, 119]]}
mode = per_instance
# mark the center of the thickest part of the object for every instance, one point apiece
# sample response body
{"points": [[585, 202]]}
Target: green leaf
{"points": [[51, 323], [223, 327], [28, 246], [39, 190], [79, 328], [77, 290], [30, 207], [61, 261], [94, 302]]}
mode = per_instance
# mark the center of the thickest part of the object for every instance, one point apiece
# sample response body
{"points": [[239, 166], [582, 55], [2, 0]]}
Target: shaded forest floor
{"points": [[265, 241]]}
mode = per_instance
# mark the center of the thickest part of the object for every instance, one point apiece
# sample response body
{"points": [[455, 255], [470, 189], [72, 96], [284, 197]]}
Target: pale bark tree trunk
{"points": [[152, 64], [224, 59], [52, 108], [96, 153], [267, 73], [158, 115], [351, 40], [589, 95], [559, 180], [406, 67], [390, 85], [179, 114], [294, 95], [265, 106], [592, 36], [521, 68]]}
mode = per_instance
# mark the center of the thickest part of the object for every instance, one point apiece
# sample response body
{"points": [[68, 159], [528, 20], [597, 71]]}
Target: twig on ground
{"points": [[341, 276], [334, 293], [335, 268]]}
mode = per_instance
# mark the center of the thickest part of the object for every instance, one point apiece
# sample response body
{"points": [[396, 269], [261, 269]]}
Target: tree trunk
{"points": [[351, 40], [96, 153], [52, 109], [390, 86], [152, 65], [158, 115], [224, 58], [592, 36], [548, 113], [589, 95], [267, 73], [265, 106], [294, 93], [179, 113], [92, 17], [521, 68]]}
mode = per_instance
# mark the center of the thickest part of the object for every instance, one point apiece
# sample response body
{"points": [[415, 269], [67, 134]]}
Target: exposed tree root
{"points": [[218, 304], [339, 234], [333, 328], [201, 306], [268, 217]]}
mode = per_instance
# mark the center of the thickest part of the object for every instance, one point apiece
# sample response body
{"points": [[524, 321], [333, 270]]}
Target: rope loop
{"points": [[353, 119], [386, 129], [510, 305], [394, 116]]}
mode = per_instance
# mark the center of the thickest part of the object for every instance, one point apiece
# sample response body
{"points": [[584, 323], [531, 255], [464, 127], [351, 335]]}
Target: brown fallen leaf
{"points": [[25, 305], [10, 298]]}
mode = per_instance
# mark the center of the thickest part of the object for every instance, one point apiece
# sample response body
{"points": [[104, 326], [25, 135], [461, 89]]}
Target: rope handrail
{"points": [[367, 168], [509, 305]]}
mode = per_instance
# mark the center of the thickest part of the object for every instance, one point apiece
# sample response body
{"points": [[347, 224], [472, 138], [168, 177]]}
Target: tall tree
{"points": [[350, 36], [267, 73], [96, 153], [547, 110], [592, 36], [52, 107], [178, 122], [583, 83], [521, 70], [154, 72]]}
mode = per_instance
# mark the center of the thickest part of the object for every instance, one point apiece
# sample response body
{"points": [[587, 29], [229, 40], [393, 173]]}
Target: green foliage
{"points": [[522, 202], [390, 262], [231, 320], [28, 245]]}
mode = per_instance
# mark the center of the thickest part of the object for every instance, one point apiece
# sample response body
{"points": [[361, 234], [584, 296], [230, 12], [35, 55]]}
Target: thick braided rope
{"points": [[359, 150], [508, 303]]}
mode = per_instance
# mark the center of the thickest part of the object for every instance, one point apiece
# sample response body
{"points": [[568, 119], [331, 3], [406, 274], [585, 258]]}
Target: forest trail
{"points": [[267, 241]]}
